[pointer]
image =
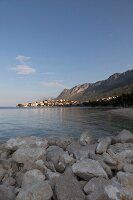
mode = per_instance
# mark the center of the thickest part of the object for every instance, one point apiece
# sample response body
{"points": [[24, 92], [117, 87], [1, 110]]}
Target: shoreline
{"points": [[62, 168]]}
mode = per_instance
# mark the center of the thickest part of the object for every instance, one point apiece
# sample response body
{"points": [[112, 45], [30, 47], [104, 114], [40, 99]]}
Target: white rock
{"points": [[103, 145], [88, 168], [31, 177], [25, 154]]}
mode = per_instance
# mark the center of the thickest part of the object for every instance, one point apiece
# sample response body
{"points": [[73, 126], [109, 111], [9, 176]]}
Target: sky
{"points": [[49, 45]]}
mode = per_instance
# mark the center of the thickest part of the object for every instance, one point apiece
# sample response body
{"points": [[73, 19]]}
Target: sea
{"points": [[60, 121]]}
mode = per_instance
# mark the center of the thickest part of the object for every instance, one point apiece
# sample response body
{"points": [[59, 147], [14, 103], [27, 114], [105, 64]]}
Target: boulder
{"points": [[124, 136], [38, 191], [2, 172], [25, 154], [68, 188], [62, 141], [9, 181], [80, 152], [113, 191], [51, 177], [103, 145], [95, 184], [126, 154], [59, 158], [108, 159], [128, 168], [88, 168], [39, 164], [50, 166], [6, 164], [7, 193], [86, 138], [125, 179], [82, 183], [19, 178], [31, 177], [99, 158], [119, 147], [15, 143]]}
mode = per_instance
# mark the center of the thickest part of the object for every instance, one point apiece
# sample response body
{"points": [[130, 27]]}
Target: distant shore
{"points": [[126, 112]]}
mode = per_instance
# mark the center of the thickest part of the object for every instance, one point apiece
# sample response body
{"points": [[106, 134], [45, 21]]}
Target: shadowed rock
{"points": [[68, 188]]}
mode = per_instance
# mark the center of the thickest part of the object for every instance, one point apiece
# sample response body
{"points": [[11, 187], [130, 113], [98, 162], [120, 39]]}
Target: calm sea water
{"points": [[60, 121]]}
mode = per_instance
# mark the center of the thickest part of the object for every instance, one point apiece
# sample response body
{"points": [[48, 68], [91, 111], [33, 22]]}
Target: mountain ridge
{"points": [[116, 84]]}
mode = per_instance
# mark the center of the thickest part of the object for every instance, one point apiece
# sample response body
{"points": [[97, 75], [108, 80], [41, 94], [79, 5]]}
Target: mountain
{"points": [[116, 84]]}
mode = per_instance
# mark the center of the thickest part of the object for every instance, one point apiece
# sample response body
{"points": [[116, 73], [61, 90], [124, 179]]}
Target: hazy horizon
{"points": [[46, 46]]}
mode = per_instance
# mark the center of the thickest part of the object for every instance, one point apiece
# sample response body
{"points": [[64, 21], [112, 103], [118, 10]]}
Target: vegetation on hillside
{"points": [[124, 100]]}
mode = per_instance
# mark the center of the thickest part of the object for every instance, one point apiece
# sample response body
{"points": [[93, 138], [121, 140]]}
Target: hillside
{"points": [[116, 84]]}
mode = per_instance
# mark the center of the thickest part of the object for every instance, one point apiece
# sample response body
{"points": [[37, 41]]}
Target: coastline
{"points": [[126, 112], [62, 168]]}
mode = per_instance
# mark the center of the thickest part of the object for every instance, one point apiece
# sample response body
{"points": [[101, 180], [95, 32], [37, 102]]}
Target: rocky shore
{"points": [[60, 168]]}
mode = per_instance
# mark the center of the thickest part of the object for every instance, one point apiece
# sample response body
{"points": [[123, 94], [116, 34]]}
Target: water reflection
{"points": [[57, 121]]}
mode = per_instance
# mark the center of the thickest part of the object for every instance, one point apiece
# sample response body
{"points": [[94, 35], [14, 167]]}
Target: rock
{"points": [[128, 168], [31, 177], [86, 138], [103, 145], [40, 164], [15, 143], [125, 179], [2, 172], [68, 188], [108, 159], [50, 166], [113, 191], [9, 181], [4, 155], [124, 136], [126, 154], [80, 152], [38, 191], [88, 168], [82, 183], [6, 193], [52, 176], [25, 154], [6, 164], [19, 178], [107, 190], [106, 168], [99, 158], [62, 142], [95, 184], [120, 147], [59, 158]]}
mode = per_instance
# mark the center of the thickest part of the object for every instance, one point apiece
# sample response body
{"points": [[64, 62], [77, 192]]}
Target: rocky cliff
{"points": [[116, 84]]}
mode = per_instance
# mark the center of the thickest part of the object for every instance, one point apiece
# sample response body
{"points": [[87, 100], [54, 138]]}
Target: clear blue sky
{"points": [[48, 45]]}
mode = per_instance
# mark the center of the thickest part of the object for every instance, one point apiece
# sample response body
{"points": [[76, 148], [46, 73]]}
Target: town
{"points": [[62, 102], [50, 103]]}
